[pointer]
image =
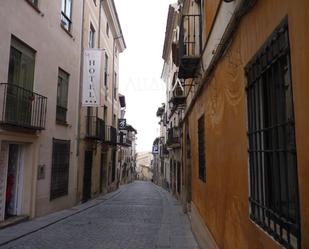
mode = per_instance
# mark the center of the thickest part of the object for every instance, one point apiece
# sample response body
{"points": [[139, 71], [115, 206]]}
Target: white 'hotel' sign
{"points": [[91, 77]]}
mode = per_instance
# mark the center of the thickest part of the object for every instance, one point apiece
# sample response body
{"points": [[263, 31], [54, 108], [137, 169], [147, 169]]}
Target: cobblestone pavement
{"points": [[138, 216]]}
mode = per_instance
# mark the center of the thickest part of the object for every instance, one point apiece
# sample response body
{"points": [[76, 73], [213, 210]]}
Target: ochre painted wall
{"points": [[223, 200], [210, 9]]}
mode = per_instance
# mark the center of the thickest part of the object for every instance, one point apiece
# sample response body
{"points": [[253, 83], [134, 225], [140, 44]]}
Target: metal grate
{"points": [[201, 149], [190, 35], [60, 168], [22, 108], [95, 128], [274, 200]]}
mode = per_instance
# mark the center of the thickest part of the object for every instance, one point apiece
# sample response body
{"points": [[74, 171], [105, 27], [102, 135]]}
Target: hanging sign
{"points": [[91, 77], [122, 124], [155, 149]]}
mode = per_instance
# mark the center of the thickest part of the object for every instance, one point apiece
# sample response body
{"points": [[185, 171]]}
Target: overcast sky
{"points": [[143, 24]]}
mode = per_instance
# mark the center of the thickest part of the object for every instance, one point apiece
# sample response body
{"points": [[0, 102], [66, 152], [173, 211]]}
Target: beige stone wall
{"points": [[105, 42], [54, 48]]}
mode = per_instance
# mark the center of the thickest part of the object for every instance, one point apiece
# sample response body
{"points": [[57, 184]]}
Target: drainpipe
{"points": [[80, 82]]}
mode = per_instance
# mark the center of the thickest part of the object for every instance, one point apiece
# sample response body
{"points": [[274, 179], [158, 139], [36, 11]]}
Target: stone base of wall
{"points": [[200, 231]]}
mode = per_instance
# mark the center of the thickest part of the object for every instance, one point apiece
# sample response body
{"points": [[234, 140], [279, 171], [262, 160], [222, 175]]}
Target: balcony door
{"points": [[20, 84]]}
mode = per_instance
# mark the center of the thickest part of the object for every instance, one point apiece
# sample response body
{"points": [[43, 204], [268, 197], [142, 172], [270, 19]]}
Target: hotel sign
{"points": [[91, 77]]}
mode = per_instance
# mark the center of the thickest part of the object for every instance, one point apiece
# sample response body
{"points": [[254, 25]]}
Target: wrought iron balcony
{"points": [[95, 128], [163, 150], [178, 97], [123, 140], [110, 135], [173, 137], [190, 45], [21, 108]]}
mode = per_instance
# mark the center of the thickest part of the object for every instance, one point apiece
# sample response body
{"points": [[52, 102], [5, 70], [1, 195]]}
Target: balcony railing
{"points": [[173, 137], [163, 150], [189, 45], [123, 140], [95, 128], [110, 135], [178, 97], [22, 108]]}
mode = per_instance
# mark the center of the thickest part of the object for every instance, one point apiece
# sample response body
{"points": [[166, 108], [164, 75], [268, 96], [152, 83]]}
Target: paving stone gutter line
{"points": [[21, 230]]}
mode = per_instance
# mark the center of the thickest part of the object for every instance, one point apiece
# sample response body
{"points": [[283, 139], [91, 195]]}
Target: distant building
{"points": [[143, 166], [127, 147]]}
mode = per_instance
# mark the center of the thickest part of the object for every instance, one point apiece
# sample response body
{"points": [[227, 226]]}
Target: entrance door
{"points": [[14, 182], [178, 177], [103, 172], [87, 176]]}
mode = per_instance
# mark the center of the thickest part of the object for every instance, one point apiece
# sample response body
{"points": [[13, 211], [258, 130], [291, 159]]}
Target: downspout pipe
{"points": [[80, 82]]}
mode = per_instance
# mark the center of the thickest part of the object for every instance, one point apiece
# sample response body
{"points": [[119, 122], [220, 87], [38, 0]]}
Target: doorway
{"points": [[14, 183], [103, 172], [87, 175]]}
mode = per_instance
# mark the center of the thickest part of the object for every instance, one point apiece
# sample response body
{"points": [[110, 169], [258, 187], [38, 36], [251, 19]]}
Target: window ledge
{"points": [[61, 122], [68, 32], [34, 6]]}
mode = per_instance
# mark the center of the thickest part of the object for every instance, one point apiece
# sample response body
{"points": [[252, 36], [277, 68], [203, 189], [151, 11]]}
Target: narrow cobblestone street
{"points": [[138, 216]]}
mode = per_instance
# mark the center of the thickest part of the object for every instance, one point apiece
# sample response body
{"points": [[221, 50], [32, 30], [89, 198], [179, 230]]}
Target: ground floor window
{"points": [[60, 168], [274, 200]]}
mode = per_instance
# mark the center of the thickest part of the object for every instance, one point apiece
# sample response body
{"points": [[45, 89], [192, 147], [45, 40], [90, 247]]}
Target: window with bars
{"points": [[274, 201], [60, 168], [62, 96], [201, 149], [66, 14]]}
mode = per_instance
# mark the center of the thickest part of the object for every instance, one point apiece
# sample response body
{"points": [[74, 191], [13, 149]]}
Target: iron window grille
{"points": [[274, 200], [201, 149], [60, 168]]}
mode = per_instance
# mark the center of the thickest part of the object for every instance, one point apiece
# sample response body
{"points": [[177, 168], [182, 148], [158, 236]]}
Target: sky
{"points": [[143, 24]]}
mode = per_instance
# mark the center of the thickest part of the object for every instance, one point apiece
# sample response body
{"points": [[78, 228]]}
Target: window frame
{"points": [[59, 106], [92, 32], [67, 26], [107, 29], [106, 71]]}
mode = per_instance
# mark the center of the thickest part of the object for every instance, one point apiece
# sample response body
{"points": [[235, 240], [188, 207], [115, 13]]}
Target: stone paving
{"points": [[139, 215]]}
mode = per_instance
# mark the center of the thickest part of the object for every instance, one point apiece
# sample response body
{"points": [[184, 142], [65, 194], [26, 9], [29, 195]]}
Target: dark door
{"points": [[178, 177], [87, 175], [103, 173], [113, 165]]}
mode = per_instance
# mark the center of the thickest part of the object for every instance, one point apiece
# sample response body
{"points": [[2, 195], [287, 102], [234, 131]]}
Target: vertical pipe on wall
{"points": [[80, 82]]}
